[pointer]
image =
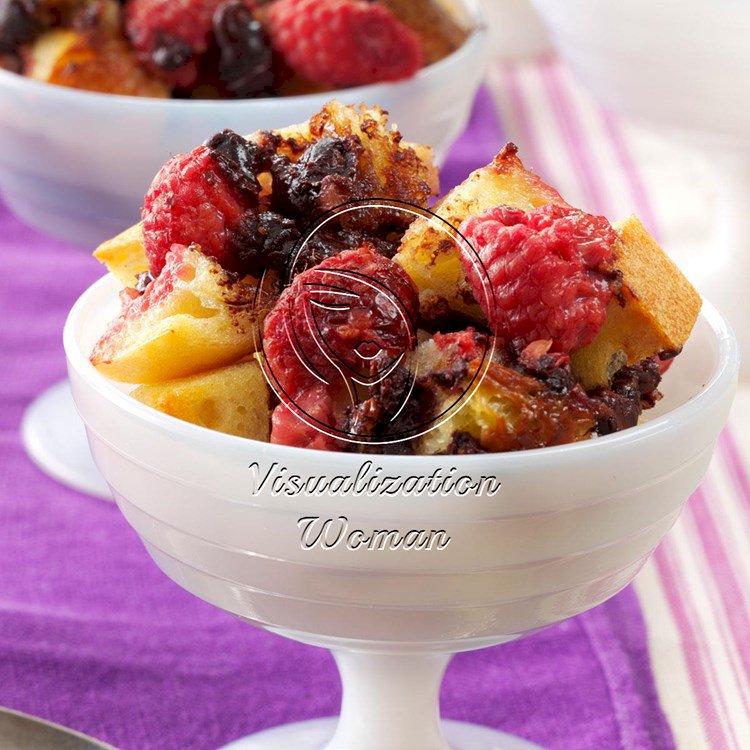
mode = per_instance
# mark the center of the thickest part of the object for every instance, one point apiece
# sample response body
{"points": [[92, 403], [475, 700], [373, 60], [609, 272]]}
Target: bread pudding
{"points": [[229, 49], [293, 286]]}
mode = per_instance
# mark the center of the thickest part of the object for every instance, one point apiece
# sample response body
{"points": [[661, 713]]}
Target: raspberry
{"points": [[350, 317], [170, 35], [343, 42], [548, 273], [295, 425], [468, 345], [192, 200]]}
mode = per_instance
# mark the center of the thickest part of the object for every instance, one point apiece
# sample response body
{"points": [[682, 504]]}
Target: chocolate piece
{"points": [[463, 444], [633, 389], [374, 417], [18, 25], [324, 177], [264, 241], [170, 51], [552, 368], [240, 160], [245, 52]]}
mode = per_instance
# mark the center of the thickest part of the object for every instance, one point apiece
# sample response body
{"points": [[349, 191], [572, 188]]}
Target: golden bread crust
{"points": [[656, 313], [233, 399], [124, 255], [92, 61]]}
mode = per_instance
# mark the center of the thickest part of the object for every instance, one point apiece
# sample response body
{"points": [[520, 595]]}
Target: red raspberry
{"points": [[547, 270], [169, 35], [297, 426], [470, 345], [347, 320], [343, 42], [192, 201]]}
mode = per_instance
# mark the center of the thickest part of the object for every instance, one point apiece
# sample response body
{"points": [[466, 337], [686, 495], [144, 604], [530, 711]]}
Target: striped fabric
{"points": [[695, 592]]}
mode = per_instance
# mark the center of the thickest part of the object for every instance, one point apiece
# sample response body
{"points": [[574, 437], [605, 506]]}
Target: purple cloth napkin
{"points": [[93, 636]]}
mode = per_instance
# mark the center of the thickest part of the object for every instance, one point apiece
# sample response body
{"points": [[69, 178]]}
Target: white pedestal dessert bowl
{"points": [[569, 528]]}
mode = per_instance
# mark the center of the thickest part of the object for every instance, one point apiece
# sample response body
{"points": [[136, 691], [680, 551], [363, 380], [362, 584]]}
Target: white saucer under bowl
{"points": [[55, 439]]}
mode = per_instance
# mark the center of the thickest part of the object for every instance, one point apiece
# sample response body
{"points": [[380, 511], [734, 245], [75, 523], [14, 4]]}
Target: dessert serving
{"points": [[294, 287], [223, 48]]}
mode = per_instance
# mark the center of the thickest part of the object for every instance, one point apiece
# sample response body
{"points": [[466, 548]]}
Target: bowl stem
{"points": [[390, 701]]}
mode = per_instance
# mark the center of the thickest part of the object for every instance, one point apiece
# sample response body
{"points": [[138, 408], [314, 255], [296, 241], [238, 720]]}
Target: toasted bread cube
{"points": [[233, 399], [657, 312], [392, 167], [505, 411], [432, 259], [91, 60], [192, 318], [124, 255]]}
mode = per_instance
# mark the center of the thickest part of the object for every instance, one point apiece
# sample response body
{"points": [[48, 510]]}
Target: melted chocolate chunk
{"points": [[670, 354], [552, 368], [245, 52], [463, 444], [324, 177], [264, 241], [326, 244], [641, 380], [449, 377], [240, 160], [373, 417], [633, 390], [18, 25], [170, 51]]}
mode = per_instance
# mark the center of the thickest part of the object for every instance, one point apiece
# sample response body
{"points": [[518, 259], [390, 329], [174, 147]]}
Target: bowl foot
{"points": [[316, 734], [55, 439]]}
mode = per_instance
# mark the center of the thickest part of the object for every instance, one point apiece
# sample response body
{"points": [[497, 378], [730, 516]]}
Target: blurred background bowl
{"points": [[76, 164], [681, 65], [682, 69], [516, 31]]}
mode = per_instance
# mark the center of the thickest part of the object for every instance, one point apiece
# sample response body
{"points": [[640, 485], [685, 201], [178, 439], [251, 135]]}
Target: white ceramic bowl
{"points": [[678, 63], [76, 164], [569, 528]]}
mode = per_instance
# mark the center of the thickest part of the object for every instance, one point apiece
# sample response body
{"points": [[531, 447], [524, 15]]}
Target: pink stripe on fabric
{"points": [[727, 443], [568, 118], [698, 662], [685, 615], [724, 577], [640, 196], [736, 465], [529, 145]]}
